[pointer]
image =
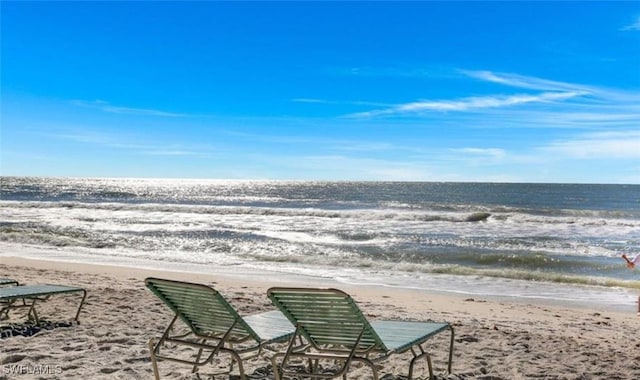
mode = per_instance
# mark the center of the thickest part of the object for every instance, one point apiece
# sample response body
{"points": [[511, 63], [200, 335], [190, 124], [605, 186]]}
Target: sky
{"points": [[395, 91]]}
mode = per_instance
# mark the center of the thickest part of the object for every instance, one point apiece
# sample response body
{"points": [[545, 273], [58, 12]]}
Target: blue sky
{"points": [[417, 91]]}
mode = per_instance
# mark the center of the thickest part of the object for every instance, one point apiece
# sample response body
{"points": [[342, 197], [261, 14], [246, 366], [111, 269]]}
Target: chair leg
{"points": [[198, 356], [274, 365], [84, 297], [235, 357], [450, 350], [154, 360], [413, 362], [33, 313], [368, 363], [8, 306], [426, 354]]}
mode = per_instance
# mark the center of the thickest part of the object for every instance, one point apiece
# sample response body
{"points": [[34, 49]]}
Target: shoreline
{"points": [[588, 297], [250, 280], [501, 339]]}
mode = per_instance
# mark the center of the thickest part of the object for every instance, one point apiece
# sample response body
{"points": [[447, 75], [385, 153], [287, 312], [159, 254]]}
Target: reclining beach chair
{"points": [[27, 296], [336, 330], [214, 326]]}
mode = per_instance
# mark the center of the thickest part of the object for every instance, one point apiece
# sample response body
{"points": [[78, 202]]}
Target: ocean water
{"points": [[532, 241]]}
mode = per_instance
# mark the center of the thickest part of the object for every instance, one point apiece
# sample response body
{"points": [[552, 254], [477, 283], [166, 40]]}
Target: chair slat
{"points": [[202, 308], [327, 317]]}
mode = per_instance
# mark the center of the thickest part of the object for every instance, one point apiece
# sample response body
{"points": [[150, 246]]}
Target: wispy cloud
{"points": [[106, 107], [340, 167], [333, 144], [470, 104], [363, 146], [84, 136], [127, 142], [600, 108], [625, 144], [337, 102], [543, 103], [525, 82], [311, 100], [493, 153], [635, 26], [175, 152]]}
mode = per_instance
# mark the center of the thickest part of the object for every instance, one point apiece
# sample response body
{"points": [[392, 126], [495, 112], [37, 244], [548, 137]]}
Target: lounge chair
{"points": [[5, 282], [27, 296], [8, 281], [214, 326], [335, 329]]}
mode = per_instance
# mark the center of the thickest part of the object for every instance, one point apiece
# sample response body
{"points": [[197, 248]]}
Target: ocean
{"points": [[553, 242]]}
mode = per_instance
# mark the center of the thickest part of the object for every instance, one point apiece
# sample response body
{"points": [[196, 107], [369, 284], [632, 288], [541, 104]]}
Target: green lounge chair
{"points": [[336, 329], [215, 326], [4, 303], [8, 281], [27, 296]]}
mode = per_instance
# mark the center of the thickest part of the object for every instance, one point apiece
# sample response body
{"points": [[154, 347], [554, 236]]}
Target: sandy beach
{"points": [[493, 339]]}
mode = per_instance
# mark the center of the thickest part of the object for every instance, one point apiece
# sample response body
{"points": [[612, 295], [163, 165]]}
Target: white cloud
{"points": [[353, 146], [604, 145], [470, 104], [106, 107], [176, 153], [340, 167], [310, 100], [336, 102], [522, 81], [635, 26], [543, 104], [495, 153], [84, 137], [127, 142]]}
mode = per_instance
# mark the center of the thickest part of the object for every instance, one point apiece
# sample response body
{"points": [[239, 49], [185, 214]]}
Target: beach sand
{"points": [[493, 339]]}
